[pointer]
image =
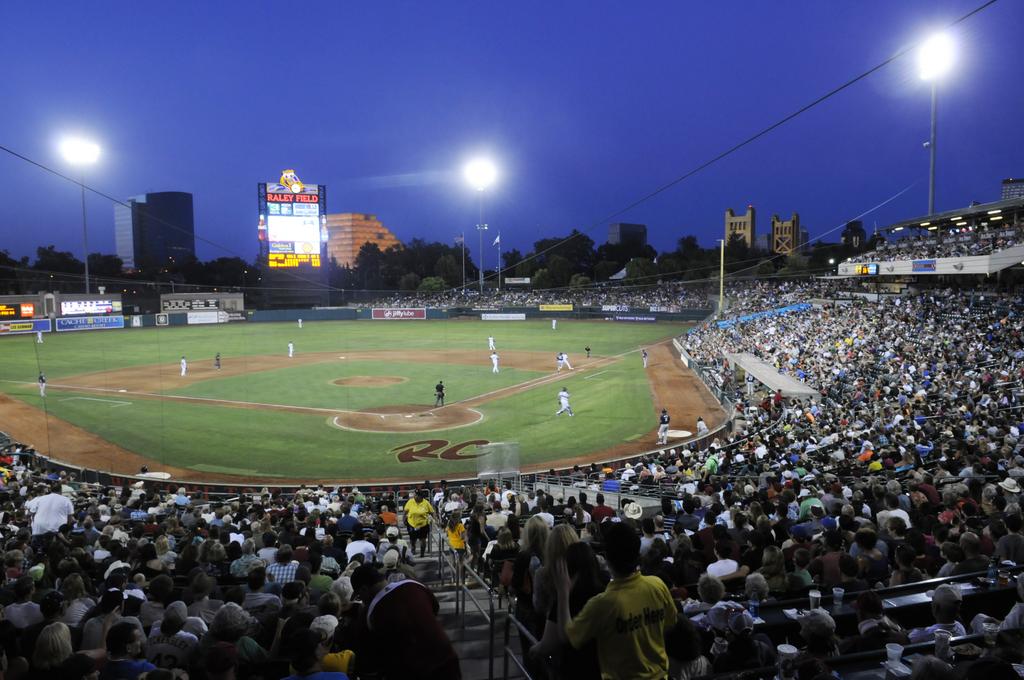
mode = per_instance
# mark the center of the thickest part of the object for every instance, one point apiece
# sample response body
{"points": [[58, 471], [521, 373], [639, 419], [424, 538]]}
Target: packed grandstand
{"points": [[813, 536]]}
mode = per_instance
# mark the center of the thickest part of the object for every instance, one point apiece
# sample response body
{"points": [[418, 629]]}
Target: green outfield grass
{"points": [[612, 407]]}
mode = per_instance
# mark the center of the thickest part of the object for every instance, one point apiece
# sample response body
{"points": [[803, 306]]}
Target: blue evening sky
{"points": [[585, 107]]}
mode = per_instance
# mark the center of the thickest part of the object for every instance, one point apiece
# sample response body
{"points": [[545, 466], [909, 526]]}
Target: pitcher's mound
{"points": [[370, 380], [413, 418]]}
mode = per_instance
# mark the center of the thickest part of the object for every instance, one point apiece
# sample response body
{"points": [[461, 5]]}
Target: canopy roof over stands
{"points": [[769, 376]]}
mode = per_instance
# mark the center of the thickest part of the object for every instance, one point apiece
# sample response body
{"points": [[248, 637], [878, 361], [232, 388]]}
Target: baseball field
{"points": [[356, 402]]}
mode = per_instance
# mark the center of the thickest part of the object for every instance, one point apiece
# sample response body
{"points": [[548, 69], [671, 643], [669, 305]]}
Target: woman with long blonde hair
{"points": [[559, 540]]}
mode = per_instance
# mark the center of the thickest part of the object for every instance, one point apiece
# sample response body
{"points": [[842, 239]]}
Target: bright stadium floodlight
{"points": [[81, 152], [935, 57], [78, 151], [934, 60], [480, 173]]}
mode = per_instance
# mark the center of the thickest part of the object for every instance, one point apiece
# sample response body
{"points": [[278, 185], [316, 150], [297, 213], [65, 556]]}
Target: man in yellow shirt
{"points": [[417, 519], [628, 620]]}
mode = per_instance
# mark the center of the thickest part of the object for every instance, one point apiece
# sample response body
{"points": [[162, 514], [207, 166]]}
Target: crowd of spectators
{"points": [[673, 296], [965, 242], [907, 466], [132, 582]]}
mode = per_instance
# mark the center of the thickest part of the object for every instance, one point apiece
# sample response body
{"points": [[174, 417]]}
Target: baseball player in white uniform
{"points": [[184, 367], [494, 362], [291, 350], [559, 362], [554, 324], [490, 343], [39, 337], [563, 403], [643, 355], [565, 361], [42, 385], [300, 324]]}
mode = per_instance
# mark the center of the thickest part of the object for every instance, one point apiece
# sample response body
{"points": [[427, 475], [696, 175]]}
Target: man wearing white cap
{"points": [[946, 608]]}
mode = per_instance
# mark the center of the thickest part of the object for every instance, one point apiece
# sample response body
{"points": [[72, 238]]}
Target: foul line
{"points": [[117, 404], [595, 375]]}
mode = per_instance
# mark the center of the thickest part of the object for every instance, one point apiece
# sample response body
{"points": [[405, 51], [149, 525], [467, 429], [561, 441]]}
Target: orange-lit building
{"points": [[347, 232]]}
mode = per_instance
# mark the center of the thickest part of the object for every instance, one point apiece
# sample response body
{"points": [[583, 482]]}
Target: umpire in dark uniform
{"points": [[439, 393]]}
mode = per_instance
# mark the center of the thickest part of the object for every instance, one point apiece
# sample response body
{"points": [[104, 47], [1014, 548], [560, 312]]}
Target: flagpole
{"points": [[499, 261], [463, 240]]}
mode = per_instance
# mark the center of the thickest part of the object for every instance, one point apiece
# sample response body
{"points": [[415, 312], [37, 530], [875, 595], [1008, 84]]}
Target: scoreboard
{"points": [[292, 224], [17, 310], [866, 269]]}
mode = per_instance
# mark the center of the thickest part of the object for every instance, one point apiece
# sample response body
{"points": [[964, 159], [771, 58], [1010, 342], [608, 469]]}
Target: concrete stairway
{"points": [[471, 641]]}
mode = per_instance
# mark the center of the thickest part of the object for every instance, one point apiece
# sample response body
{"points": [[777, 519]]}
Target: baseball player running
{"points": [[663, 427], [565, 362], [42, 385], [643, 355], [559, 362], [291, 350], [563, 403], [490, 343], [439, 393], [184, 366], [494, 362]]}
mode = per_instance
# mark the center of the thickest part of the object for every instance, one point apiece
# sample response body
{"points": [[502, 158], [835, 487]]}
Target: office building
{"points": [[1012, 188], [854, 235], [347, 232], [622, 233], [743, 226], [787, 235], [155, 229]]}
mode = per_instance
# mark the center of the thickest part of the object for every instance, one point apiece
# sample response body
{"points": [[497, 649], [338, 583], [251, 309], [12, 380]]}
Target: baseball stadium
{"points": [[488, 428]]}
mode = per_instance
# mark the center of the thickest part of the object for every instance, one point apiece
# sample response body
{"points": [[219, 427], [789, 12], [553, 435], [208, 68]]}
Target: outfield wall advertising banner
{"points": [[636, 317], [614, 308], [923, 265], [194, 318], [503, 317], [83, 307], [555, 308], [398, 314], [89, 323], [27, 326]]}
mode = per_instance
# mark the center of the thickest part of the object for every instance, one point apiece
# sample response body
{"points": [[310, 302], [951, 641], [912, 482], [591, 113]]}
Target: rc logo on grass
{"points": [[436, 449]]}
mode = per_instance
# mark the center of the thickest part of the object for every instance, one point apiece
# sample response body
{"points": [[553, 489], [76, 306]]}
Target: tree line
{"points": [[573, 260]]}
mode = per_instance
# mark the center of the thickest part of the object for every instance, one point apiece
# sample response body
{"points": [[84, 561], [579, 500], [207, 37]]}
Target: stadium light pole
{"points": [[480, 173], [721, 279], [934, 60], [81, 152]]}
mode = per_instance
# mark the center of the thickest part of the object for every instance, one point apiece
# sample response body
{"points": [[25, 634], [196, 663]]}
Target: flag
{"points": [[497, 241], [460, 239], [619, 275]]}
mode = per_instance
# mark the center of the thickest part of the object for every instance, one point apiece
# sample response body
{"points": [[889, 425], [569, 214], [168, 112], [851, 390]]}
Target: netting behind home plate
{"points": [[498, 460]]}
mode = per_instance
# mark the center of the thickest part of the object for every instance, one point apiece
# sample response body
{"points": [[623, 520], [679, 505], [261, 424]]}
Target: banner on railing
{"points": [[503, 317], [799, 307]]}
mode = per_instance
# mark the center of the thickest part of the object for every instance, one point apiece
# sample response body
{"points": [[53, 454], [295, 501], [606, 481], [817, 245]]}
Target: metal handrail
{"points": [[508, 652], [459, 572]]}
